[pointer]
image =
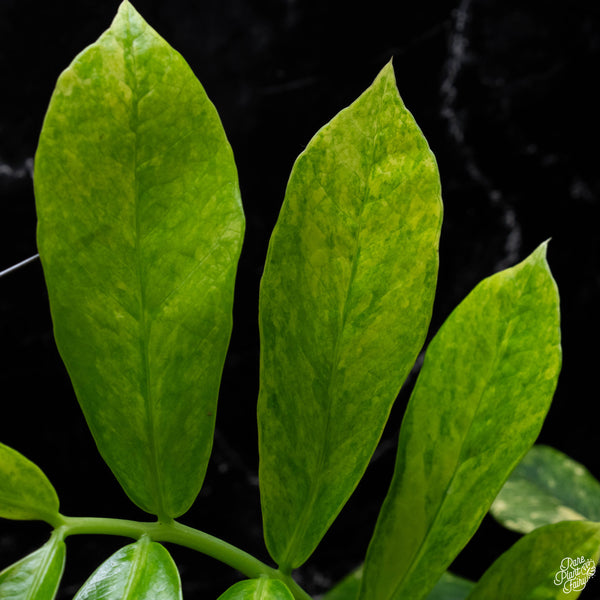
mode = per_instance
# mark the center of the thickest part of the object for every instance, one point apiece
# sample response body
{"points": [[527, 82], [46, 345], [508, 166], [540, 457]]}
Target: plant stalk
{"points": [[182, 535]]}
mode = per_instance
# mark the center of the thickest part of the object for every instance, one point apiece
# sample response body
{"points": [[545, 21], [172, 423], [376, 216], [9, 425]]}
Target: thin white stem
{"points": [[19, 265]]}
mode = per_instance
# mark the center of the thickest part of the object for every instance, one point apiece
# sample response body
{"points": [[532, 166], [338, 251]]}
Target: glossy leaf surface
{"points": [[25, 492], [345, 303], [140, 571], [547, 487], [262, 588], [140, 228], [478, 404], [37, 576], [537, 567]]}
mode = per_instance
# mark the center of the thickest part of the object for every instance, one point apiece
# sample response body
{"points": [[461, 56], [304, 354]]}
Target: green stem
{"points": [[182, 535]]}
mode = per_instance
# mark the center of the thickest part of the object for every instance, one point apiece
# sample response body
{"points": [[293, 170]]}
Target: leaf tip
{"points": [[127, 12], [388, 71], [543, 247], [123, 7], [540, 254]]}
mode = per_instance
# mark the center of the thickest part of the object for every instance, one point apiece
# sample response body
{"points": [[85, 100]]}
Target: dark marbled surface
{"points": [[503, 92]]}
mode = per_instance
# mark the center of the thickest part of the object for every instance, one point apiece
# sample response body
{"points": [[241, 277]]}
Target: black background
{"points": [[503, 90]]}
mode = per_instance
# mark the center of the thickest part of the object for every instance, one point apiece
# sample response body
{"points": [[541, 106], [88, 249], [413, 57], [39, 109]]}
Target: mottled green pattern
{"points": [[478, 405], [37, 576], [345, 303], [25, 492], [262, 588], [140, 571], [547, 487], [140, 229], [528, 570]]}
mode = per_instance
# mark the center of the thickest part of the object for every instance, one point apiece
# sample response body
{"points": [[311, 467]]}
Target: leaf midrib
{"points": [[140, 551], [497, 359], [144, 325], [316, 483], [48, 552]]}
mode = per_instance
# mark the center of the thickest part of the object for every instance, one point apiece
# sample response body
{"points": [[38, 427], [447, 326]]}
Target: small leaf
{"points": [[345, 303], [262, 588], [140, 229], [478, 405], [37, 576], [140, 571], [451, 587], [542, 565], [25, 492], [547, 487]]}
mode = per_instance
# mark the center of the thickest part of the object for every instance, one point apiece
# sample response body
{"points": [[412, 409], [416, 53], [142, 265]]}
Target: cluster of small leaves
{"points": [[140, 230]]}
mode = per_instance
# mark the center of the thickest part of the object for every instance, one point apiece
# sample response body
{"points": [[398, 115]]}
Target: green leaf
{"points": [[478, 405], [539, 565], [25, 492], [345, 303], [547, 487], [451, 587], [38, 575], [140, 571], [140, 228], [347, 588], [262, 588]]}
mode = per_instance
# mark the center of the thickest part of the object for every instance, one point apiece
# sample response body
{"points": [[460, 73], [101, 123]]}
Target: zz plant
{"points": [[140, 229]]}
